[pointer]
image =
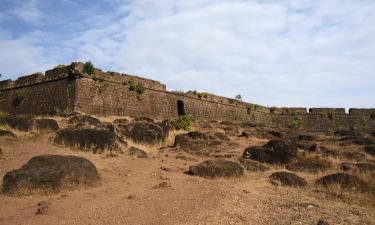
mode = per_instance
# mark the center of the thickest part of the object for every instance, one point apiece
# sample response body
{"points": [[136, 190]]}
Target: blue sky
{"points": [[312, 53]]}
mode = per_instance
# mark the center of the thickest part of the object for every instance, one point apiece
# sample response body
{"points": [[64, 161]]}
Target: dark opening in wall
{"points": [[180, 108]]}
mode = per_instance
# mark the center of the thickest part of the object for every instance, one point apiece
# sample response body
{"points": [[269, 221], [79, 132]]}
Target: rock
{"points": [[96, 140], [145, 132], [84, 121], [133, 151], [46, 124], [120, 121], [144, 119], [163, 184], [274, 152], [370, 149], [287, 179], [322, 222], [346, 166], [365, 167], [253, 166], [246, 134], [217, 168], [232, 131], [7, 133], [50, 173], [358, 140], [306, 137], [22, 123], [43, 208], [131, 197], [343, 133], [274, 133], [345, 181], [202, 143]]}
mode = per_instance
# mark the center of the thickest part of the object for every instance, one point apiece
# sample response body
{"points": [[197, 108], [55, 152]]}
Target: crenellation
{"points": [[69, 88]]}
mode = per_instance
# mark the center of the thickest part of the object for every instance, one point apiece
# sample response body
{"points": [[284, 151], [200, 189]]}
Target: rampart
{"points": [[66, 89]]}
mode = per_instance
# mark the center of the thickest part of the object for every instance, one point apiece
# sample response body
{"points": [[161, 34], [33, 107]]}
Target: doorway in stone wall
{"points": [[180, 108]]}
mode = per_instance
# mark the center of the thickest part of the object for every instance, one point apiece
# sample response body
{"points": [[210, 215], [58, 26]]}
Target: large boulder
{"points": [[7, 133], [46, 124], [202, 143], [345, 181], [217, 168], [143, 132], [50, 173], [87, 139], [274, 152], [22, 123], [287, 179]]}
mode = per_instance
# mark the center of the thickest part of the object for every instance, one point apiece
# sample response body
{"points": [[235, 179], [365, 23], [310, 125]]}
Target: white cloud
{"points": [[29, 12], [284, 53]]}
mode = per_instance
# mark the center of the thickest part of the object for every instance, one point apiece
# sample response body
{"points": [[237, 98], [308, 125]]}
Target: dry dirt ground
{"points": [[130, 193]]}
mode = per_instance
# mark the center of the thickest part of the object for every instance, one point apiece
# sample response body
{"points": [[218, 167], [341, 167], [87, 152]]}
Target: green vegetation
{"points": [[18, 97], [137, 87], [295, 122], [183, 122], [372, 116], [95, 78], [238, 98], [200, 94], [88, 68], [273, 109]]}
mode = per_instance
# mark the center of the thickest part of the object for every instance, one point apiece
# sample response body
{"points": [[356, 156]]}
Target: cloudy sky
{"points": [[272, 52]]}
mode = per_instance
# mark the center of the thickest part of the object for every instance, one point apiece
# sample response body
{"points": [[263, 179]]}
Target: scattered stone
{"points": [[274, 133], [343, 133], [346, 166], [22, 123], [133, 151], [50, 173], [131, 197], [253, 166], [287, 179], [345, 181], [96, 140], [202, 143], [42, 209], [322, 222], [370, 149], [163, 184], [144, 119], [120, 121], [306, 137], [7, 133], [246, 134], [46, 124], [217, 168], [365, 167], [232, 131], [275, 151], [145, 132]]}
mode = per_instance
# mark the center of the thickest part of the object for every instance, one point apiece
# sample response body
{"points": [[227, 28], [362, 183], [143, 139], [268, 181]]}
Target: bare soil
{"points": [[156, 190]]}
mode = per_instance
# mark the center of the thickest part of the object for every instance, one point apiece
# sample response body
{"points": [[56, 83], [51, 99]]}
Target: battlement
{"points": [[68, 88]]}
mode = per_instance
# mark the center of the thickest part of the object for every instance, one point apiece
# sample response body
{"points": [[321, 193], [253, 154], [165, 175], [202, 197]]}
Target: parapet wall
{"points": [[69, 88]]}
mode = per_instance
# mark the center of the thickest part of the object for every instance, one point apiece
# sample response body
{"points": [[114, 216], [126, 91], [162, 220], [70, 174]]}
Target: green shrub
{"points": [[137, 87], [183, 122], [88, 68], [95, 78], [18, 97], [295, 123]]}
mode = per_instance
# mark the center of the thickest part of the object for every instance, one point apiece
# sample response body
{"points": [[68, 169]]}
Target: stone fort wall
{"points": [[68, 88]]}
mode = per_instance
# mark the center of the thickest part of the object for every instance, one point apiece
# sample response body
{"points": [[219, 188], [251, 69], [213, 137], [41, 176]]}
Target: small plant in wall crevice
{"points": [[18, 97], [88, 68], [137, 87]]}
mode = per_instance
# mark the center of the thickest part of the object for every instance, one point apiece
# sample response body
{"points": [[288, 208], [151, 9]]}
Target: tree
{"points": [[238, 97]]}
